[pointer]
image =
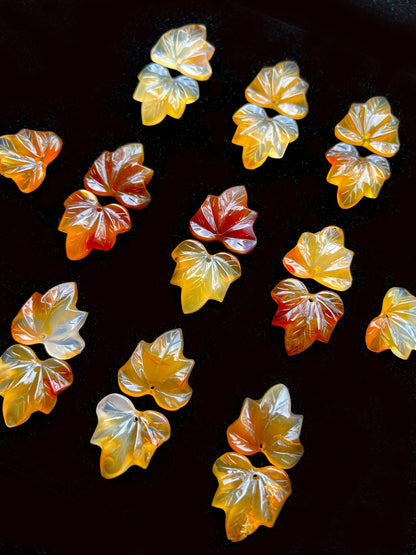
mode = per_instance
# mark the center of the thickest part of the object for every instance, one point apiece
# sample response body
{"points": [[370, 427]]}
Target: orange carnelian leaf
{"points": [[161, 95], [261, 136], [121, 174], [226, 218], [322, 256], [25, 156], [186, 50], [89, 225], [355, 176], [268, 426], [159, 369], [127, 436], [202, 276], [52, 319], [281, 89], [305, 316], [395, 327], [370, 125], [29, 384], [250, 496]]}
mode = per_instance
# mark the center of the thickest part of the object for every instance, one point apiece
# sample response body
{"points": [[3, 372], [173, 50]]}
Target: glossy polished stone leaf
{"points": [[395, 327], [89, 225], [322, 256], [127, 436], [355, 176], [280, 88], [371, 125], [159, 369], [306, 317], [25, 156], [250, 496], [261, 136], [226, 218], [268, 426], [186, 50], [29, 384], [202, 276], [121, 174], [161, 95], [52, 319]]}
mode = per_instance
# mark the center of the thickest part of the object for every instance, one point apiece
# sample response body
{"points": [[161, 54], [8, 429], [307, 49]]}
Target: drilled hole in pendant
{"points": [[135, 418], [152, 387], [255, 476]]}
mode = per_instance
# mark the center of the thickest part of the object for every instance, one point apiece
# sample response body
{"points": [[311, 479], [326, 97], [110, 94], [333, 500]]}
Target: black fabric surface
{"points": [[71, 67]]}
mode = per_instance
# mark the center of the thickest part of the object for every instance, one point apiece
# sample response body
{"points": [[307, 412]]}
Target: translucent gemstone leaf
{"points": [[121, 174], [261, 136], [356, 177], [202, 276], [268, 426], [305, 316], [371, 125], [249, 496], [25, 156], [159, 369], [186, 50], [161, 95], [52, 319], [29, 384], [127, 436], [395, 327], [322, 256], [89, 225], [280, 88], [226, 218]]}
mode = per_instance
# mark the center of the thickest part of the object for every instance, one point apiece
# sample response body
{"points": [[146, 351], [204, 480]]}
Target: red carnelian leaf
{"points": [[226, 218]]}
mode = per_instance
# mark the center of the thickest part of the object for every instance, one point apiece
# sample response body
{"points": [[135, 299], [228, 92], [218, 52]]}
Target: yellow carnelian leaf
{"points": [[281, 89], [249, 496], [268, 426], [161, 95], [186, 50], [159, 369], [395, 327], [261, 136], [202, 276], [355, 176], [29, 384], [305, 316], [371, 125], [322, 256], [127, 436], [25, 156], [52, 319]]}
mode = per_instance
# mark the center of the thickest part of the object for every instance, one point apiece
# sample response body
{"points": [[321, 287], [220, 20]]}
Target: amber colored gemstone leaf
{"points": [[249, 496], [127, 436], [280, 88], [322, 256], [159, 369], [226, 218], [355, 176], [161, 95], [89, 225], [29, 384], [25, 156], [371, 125], [268, 426], [52, 319], [202, 276], [121, 174], [261, 136], [186, 50], [395, 327], [306, 317]]}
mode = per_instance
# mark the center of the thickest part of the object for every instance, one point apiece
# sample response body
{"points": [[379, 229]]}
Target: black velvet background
{"points": [[71, 67]]}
